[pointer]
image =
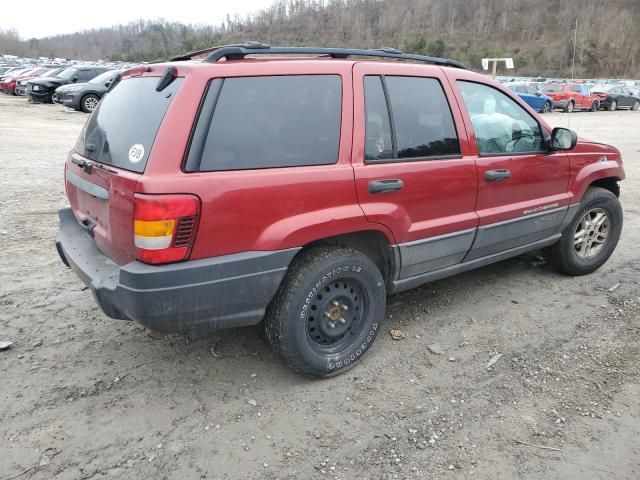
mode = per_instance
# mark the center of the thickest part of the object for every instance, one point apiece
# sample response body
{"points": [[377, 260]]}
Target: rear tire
{"points": [[546, 108], [591, 237], [613, 105], [327, 312], [636, 106], [595, 106]]}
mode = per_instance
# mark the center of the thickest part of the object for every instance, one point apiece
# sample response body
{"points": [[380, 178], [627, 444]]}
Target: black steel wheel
{"points": [[327, 312]]}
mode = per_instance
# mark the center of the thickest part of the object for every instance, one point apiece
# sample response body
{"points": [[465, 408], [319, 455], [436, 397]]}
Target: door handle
{"points": [[386, 185], [500, 174]]}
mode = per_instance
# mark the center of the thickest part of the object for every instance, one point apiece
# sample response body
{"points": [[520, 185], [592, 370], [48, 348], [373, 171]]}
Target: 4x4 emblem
{"points": [[380, 144]]}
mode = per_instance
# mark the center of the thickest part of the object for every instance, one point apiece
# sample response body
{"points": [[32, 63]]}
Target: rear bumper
{"points": [[187, 297]]}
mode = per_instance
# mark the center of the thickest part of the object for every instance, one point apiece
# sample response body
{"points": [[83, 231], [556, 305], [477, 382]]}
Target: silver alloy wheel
{"points": [[636, 106], [90, 103], [570, 107], [546, 107], [592, 233]]}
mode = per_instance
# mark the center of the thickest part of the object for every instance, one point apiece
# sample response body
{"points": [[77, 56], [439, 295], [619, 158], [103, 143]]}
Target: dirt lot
{"points": [[83, 396]]}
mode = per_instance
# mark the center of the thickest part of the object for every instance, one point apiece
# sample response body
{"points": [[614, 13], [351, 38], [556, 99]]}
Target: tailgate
{"points": [[102, 202], [110, 156]]}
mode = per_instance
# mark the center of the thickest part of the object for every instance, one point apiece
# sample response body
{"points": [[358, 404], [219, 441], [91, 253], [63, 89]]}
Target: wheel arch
{"points": [[372, 243]]}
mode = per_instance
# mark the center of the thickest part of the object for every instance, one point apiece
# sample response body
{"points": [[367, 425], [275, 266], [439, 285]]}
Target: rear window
{"points": [[269, 122], [122, 129], [553, 88]]}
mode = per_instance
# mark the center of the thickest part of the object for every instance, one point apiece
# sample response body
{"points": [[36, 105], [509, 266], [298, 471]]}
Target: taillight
{"points": [[164, 227]]}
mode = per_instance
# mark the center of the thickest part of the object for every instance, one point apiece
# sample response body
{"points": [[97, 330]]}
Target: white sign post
{"points": [[494, 61]]}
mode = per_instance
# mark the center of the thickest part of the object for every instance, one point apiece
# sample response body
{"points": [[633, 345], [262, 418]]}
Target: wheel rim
{"points": [[614, 105], [592, 233], [636, 106], [570, 107], [546, 107], [337, 315], [90, 103]]}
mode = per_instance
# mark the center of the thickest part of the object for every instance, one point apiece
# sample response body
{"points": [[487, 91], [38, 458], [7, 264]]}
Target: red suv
{"points": [[302, 191], [571, 96]]}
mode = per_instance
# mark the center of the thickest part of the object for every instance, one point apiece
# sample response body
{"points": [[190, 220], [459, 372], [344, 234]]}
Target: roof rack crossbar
{"points": [[238, 52]]}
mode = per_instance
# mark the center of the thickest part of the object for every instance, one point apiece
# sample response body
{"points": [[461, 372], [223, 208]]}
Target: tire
{"points": [[89, 102], [546, 108], [595, 106], [327, 312], [636, 106], [613, 105], [570, 254], [570, 106]]}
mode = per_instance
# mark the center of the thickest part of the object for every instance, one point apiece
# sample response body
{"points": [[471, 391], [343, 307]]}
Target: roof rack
{"points": [[240, 51]]}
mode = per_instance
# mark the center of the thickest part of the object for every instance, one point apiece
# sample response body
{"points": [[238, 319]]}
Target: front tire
{"points": [[591, 237], [595, 106], [89, 102], [327, 312], [570, 106], [636, 106], [546, 108], [613, 105]]}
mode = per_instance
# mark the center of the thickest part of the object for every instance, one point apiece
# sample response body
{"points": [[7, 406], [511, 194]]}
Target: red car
{"points": [[10, 84], [303, 191], [571, 96]]}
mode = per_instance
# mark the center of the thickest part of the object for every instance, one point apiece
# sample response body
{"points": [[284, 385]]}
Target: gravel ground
{"points": [[83, 396]]}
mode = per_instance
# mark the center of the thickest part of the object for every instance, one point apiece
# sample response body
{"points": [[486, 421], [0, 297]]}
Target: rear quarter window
{"points": [[269, 122], [122, 129]]}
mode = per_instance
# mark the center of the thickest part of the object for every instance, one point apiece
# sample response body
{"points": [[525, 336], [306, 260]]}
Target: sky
{"points": [[68, 16]]}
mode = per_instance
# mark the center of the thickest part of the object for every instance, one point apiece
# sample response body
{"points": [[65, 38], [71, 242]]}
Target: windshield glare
{"points": [[67, 73], [103, 78]]}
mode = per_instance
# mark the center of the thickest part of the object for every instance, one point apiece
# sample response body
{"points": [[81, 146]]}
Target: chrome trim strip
{"points": [[87, 187]]}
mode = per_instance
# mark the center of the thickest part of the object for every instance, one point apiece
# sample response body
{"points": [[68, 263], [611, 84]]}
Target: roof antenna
{"points": [[573, 63]]}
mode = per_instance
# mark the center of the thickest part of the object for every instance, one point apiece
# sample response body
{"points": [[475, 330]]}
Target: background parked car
{"points": [[21, 82], [85, 96], [571, 96], [8, 83], [613, 97], [41, 90], [534, 98]]}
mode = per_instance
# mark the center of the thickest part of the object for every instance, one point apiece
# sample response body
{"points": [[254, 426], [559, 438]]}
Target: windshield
{"points": [[122, 129], [103, 78], [553, 88], [67, 73]]}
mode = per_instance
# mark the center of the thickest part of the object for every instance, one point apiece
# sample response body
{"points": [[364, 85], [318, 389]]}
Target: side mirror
{"points": [[74, 79], [563, 139]]}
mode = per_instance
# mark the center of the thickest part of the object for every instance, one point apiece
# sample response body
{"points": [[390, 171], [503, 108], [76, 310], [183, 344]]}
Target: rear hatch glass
{"points": [[122, 129]]}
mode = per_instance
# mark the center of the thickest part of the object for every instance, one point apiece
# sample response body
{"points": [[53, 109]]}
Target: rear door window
{"points": [[422, 118], [269, 122], [122, 129]]}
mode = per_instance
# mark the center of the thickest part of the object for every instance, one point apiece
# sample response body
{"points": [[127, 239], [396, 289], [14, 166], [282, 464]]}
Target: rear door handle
{"points": [[500, 174], [386, 185]]}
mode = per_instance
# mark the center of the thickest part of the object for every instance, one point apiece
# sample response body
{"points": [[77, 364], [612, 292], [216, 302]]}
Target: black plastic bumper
{"points": [[40, 96], [193, 296]]}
